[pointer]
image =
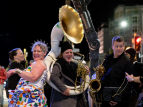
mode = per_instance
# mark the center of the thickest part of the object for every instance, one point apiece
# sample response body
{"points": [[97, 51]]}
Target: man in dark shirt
{"points": [[116, 64]]}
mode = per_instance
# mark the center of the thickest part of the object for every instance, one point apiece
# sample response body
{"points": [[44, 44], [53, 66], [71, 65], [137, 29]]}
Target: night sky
{"points": [[23, 22]]}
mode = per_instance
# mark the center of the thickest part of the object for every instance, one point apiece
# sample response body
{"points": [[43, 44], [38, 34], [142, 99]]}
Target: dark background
{"points": [[23, 22]]}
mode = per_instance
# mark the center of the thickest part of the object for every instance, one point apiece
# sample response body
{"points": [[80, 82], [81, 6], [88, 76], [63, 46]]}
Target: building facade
{"points": [[103, 36], [133, 17]]}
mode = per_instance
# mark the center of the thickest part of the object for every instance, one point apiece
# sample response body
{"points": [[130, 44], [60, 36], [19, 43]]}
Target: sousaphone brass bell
{"points": [[71, 24]]}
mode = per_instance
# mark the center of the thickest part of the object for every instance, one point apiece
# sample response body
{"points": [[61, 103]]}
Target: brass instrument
{"points": [[25, 57], [69, 25], [95, 83], [81, 72]]}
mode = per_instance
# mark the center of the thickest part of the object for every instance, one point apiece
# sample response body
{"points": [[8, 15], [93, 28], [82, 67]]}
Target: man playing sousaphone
{"points": [[64, 73]]}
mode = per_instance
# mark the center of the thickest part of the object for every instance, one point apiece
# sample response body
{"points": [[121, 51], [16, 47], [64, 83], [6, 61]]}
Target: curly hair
{"points": [[42, 45]]}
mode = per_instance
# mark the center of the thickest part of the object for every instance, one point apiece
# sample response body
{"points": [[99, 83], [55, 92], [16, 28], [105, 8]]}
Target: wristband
{"points": [[18, 71], [132, 79]]}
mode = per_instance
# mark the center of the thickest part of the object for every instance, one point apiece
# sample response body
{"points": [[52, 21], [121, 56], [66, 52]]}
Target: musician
{"points": [[64, 73], [116, 64]]}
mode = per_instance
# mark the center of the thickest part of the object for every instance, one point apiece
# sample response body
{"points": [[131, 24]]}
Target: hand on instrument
{"points": [[112, 103], [66, 92], [88, 70], [10, 72]]}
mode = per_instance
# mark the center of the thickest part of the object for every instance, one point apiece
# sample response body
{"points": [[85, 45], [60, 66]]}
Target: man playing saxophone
{"points": [[116, 64]]}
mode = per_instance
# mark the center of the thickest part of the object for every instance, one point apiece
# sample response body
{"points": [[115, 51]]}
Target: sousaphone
{"points": [[69, 25]]}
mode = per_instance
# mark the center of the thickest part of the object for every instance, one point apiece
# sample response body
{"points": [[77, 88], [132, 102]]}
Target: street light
{"points": [[123, 23]]}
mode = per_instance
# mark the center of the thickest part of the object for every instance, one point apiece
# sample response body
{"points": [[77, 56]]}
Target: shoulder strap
{"points": [[44, 63], [62, 75]]}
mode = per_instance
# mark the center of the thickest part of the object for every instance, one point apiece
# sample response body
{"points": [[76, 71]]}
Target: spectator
{"points": [[16, 57], [2, 79], [138, 68]]}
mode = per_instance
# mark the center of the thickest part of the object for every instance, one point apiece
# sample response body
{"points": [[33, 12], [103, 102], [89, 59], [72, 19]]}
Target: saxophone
{"points": [[81, 72], [95, 83]]}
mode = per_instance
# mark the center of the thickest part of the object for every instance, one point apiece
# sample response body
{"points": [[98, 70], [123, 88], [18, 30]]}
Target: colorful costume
{"points": [[29, 94]]}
